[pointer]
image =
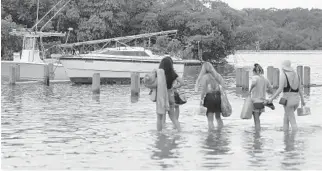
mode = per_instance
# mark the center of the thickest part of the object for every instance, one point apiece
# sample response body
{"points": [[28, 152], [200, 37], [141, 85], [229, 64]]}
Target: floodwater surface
{"points": [[64, 126]]}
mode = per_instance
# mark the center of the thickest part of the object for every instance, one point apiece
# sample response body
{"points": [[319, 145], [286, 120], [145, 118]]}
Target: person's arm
{"points": [[152, 86], [179, 84], [269, 86], [280, 87]]}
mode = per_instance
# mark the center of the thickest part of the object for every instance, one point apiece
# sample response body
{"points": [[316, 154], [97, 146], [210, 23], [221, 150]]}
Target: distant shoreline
{"points": [[279, 51]]}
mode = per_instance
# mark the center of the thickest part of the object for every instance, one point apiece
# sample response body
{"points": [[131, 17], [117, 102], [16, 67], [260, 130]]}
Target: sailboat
{"points": [[31, 60], [115, 64]]}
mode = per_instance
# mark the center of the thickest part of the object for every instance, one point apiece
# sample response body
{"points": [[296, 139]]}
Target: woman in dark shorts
{"points": [[210, 80]]}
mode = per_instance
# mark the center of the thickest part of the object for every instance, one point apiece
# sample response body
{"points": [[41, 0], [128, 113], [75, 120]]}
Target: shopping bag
{"points": [[225, 105], [247, 111], [303, 111]]}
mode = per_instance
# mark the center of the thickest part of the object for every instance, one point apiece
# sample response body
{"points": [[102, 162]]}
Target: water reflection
{"points": [[165, 146], [216, 144], [253, 144], [96, 97], [48, 91], [134, 99], [14, 97], [241, 93], [293, 151]]}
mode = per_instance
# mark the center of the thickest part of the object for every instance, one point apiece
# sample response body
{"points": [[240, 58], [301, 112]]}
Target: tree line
{"points": [[211, 26]]}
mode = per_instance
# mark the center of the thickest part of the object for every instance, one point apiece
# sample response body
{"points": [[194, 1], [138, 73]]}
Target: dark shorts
{"points": [[212, 102]]}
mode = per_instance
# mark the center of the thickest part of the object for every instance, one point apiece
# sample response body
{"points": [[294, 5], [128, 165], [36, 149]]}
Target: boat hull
{"points": [[33, 71], [81, 70]]}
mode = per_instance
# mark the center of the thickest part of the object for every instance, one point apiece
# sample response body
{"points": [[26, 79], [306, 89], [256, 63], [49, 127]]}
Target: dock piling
{"points": [[51, 71], [17, 72], [238, 77], [245, 79], [135, 85], [299, 70], [307, 77], [46, 75], [270, 71], [96, 83], [12, 75], [276, 77]]}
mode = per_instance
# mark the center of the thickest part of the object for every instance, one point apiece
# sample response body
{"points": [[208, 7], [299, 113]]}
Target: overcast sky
{"points": [[240, 4]]}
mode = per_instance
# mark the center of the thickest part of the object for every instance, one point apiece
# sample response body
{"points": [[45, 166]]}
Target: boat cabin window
{"points": [[126, 53], [30, 43]]}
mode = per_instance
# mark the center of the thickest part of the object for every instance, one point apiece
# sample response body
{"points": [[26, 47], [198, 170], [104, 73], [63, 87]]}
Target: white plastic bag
{"points": [[225, 105], [247, 111], [303, 111]]}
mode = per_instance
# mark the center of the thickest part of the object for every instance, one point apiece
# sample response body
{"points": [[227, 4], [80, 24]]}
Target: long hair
{"points": [[258, 69], [207, 68], [167, 65]]}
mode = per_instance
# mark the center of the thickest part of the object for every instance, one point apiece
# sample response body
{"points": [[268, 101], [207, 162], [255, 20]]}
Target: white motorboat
{"points": [[115, 64], [32, 61], [31, 66]]}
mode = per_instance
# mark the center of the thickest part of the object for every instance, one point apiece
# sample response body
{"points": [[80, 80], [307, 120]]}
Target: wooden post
{"points": [[238, 77], [270, 70], [149, 41], [46, 75], [307, 77], [51, 71], [135, 84], [12, 75], [96, 83], [245, 79], [276, 77], [17, 72], [299, 70]]}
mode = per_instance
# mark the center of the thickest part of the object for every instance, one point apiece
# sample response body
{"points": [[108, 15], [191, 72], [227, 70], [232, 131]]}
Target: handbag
{"points": [[283, 101], [179, 98], [247, 111]]}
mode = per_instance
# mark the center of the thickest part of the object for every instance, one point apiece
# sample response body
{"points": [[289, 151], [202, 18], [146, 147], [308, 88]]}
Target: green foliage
{"points": [[9, 43], [218, 29]]}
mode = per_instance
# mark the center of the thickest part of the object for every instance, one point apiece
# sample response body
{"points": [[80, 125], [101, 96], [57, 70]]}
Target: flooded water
{"points": [[64, 126]]}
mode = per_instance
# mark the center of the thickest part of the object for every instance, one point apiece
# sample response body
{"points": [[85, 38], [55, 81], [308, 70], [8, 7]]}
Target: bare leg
{"points": [[257, 121], [160, 122], [177, 111], [220, 123], [210, 117], [164, 119], [291, 117], [174, 119], [286, 120]]}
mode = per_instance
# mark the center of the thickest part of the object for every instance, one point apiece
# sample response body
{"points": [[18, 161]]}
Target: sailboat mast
{"points": [[37, 14]]}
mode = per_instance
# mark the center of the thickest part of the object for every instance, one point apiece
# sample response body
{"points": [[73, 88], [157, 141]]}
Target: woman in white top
{"points": [[290, 84], [258, 90]]}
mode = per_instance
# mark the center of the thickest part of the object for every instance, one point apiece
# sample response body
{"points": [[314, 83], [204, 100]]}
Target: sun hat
{"points": [[286, 65]]}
